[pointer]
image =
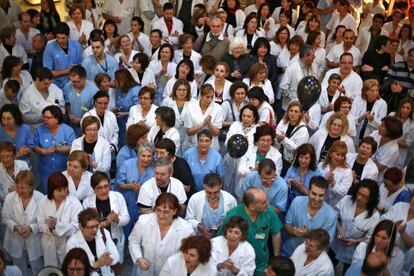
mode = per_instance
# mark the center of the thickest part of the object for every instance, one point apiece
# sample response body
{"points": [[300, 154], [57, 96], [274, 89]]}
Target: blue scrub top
{"points": [[297, 216], [293, 172], [124, 101], [276, 194], [92, 67], [80, 103], [22, 138], [125, 153], [55, 58], [213, 164]]}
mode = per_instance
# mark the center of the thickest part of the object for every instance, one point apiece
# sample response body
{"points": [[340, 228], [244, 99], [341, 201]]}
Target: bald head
{"points": [[255, 200], [375, 264]]}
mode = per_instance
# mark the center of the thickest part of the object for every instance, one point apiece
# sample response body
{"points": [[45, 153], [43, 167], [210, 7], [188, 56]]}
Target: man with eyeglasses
{"points": [[308, 213], [96, 242], [40, 94], [351, 82], [78, 94], [267, 180], [161, 182]]}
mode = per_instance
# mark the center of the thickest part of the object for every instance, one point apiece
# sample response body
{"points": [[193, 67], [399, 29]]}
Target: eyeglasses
{"points": [[91, 129], [48, 117], [103, 187], [268, 179], [77, 81], [76, 269]]}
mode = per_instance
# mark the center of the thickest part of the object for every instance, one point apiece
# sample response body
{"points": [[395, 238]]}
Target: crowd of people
{"points": [[116, 127]]}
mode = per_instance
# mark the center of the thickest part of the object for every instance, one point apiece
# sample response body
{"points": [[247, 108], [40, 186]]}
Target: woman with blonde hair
{"points": [[78, 176], [337, 172], [369, 109], [336, 129]]}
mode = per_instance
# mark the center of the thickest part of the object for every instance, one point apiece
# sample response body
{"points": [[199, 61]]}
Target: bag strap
{"points": [[103, 234], [296, 130], [232, 110]]}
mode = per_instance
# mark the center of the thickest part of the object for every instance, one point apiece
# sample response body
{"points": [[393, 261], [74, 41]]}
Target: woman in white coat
{"points": [[330, 92], [207, 208], [361, 163], [111, 207], [185, 48], [108, 128], [291, 132], [310, 258], [144, 111], [19, 214], [259, 100], [250, 31], [140, 71], [335, 130], [57, 219], [219, 82], [249, 117], [184, 70], [165, 127], [98, 148], [342, 104], [205, 114], [263, 149], [158, 235], [180, 101], [80, 29], [104, 254], [193, 259], [337, 172], [369, 109], [357, 218], [78, 176], [231, 253], [258, 76]]}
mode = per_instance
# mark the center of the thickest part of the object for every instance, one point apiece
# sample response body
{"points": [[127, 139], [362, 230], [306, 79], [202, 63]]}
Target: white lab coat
{"points": [[147, 78], [6, 180], [78, 241], [343, 180], [54, 242], [109, 130], [379, 110], [143, 40], [13, 214], [370, 170], [196, 203], [226, 88], [195, 58], [175, 266], [248, 160], [290, 144], [145, 241], [243, 256], [177, 26], [172, 134], [364, 38], [237, 128], [320, 266], [149, 191], [267, 114], [101, 153], [118, 206], [155, 66], [352, 83], [86, 28], [318, 139], [386, 154], [243, 35], [335, 53], [266, 86], [17, 51], [135, 116], [84, 189], [324, 100], [196, 117], [32, 103], [408, 136]]}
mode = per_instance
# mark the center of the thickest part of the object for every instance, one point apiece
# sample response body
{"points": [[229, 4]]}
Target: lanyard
{"points": [[105, 63]]}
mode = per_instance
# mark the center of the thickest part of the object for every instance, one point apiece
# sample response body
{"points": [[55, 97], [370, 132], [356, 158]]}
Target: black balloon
{"points": [[309, 90], [237, 145]]}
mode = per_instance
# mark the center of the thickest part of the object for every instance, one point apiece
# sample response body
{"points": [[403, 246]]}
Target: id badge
{"points": [[260, 236]]}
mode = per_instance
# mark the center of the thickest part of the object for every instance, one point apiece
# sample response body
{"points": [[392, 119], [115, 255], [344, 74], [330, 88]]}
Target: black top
{"points": [[102, 119], [358, 168], [326, 146], [365, 123], [104, 209], [92, 247], [289, 130], [89, 147], [377, 61], [37, 62], [249, 41], [182, 171]]}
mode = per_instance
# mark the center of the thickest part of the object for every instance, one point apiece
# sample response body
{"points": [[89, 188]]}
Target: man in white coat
{"points": [[170, 26], [161, 182], [96, 242], [295, 72], [199, 214], [368, 35]]}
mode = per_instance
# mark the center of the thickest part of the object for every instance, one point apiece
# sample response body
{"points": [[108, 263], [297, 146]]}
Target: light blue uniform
{"points": [[355, 269], [79, 103], [293, 172], [125, 153], [23, 138], [212, 164], [126, 174], [297, 216], [276, 194], [56, 161], [124, 101], [55, 58], [92, 67]]}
